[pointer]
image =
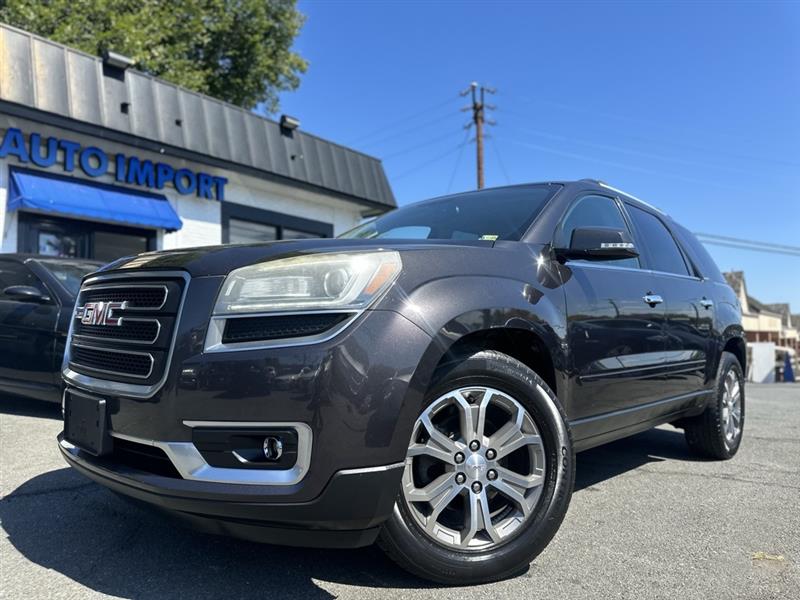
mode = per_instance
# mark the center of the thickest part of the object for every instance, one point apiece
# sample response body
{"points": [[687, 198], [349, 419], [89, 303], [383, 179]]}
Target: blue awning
{"points": [[74, 198]]}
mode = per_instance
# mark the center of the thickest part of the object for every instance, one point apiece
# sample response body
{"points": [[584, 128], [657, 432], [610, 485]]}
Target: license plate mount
{"points": [[86, 423]]}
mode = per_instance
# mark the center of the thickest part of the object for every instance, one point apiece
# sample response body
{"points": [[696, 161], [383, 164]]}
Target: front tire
{"points": [[488, 477], [717, 432]]}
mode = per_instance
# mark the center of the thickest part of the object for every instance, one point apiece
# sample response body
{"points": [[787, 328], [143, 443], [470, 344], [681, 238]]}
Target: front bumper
{"points": [[347, 514], [357, 394]]}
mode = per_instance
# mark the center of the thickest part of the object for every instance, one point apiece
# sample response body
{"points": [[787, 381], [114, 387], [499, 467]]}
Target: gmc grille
{"points": [[136, 349]]}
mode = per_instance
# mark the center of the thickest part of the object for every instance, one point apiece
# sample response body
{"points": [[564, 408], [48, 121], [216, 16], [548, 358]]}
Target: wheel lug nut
{"points": [[459, 457], [477, 487], [491, 475], [460, 478], [490, 454], [474, 445]]}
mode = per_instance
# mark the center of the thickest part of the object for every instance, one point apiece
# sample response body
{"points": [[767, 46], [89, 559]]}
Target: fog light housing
{"points": [[273, 448]]}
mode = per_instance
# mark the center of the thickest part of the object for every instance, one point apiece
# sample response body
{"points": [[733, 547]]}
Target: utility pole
{"points": [[478, 109]]}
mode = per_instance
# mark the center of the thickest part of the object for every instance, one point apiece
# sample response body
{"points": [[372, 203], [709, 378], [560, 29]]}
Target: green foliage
{"points": [[234, 50]]}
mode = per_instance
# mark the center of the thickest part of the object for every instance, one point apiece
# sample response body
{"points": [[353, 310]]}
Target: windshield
{"points": [[496, 214], [69, 274]]}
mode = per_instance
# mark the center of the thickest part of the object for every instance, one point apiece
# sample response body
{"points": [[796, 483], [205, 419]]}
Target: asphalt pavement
{"points": [[647, 520]]}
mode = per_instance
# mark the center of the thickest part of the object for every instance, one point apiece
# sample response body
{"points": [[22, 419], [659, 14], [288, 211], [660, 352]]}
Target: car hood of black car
{"points": [[220, 260]]}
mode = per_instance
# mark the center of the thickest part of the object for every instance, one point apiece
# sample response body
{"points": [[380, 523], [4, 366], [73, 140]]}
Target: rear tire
{"points": [[458, 547], [717, 432]]}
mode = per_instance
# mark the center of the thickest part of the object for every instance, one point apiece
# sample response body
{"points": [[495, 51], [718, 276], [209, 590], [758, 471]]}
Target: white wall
{"points": [[762, 362], [269, 195], [201, 223]]}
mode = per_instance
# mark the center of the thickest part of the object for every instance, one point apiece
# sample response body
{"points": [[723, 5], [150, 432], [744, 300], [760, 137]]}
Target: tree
{"points": [[234, 50]]}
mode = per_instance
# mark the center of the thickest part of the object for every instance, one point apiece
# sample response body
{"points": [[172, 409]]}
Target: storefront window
{"points": [[248, 232], [295, 234], [73, 238], [110, 246], [57, 244]]}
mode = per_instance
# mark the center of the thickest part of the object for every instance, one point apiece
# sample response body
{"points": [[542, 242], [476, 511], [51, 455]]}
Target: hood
{"points": [[220, 260]]}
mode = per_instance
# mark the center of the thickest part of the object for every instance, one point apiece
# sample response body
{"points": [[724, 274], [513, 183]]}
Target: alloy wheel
{"points": [[731, 408], [474, 469]]}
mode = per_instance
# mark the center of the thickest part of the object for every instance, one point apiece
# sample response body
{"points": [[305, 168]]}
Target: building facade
{"points": [[773, 333], [98, 161]]}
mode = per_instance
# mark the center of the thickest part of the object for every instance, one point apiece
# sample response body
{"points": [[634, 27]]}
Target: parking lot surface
{"points": [[647, 520]]}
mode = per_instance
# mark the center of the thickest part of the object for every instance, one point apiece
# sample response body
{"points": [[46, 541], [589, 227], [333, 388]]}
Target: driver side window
{"points": [[13, 273], [594, 211]]}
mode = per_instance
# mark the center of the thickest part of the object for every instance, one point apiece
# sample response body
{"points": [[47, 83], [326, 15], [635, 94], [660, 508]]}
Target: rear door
{"points": [[616, 339], [687, 299], [27, 335]]}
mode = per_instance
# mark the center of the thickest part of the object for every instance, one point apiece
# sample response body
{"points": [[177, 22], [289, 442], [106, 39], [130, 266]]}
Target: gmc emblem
{"points": [[100, 313]]}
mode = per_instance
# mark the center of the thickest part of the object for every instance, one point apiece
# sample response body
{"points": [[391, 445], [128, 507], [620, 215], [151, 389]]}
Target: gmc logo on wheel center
{"points": [[100, 313]]}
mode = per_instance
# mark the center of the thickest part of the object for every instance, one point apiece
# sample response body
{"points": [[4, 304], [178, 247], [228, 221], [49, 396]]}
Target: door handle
{"points": [[652, 299], [706, 303]]}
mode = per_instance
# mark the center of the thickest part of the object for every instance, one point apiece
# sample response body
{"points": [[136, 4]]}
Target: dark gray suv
{"points": [[424, 381]]}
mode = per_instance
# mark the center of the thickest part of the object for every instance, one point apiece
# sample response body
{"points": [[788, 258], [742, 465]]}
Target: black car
{"points": [[423, 382], [37, 296]]}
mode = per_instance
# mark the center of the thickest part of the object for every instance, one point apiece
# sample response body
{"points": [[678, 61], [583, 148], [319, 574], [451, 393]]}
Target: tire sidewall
{"points": [[729, 363], [492, 369]]}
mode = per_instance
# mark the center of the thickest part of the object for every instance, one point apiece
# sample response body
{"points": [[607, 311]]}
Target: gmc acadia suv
{"points": [[424, 381]]}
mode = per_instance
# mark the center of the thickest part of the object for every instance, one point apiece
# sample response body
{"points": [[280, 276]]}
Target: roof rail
{"points": [[613, 189]]}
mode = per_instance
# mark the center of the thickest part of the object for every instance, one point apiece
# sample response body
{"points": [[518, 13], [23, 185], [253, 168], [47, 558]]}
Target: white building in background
{"points": [[100, 162]]}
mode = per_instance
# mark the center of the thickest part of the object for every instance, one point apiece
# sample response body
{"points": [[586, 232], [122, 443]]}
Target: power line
{"points": [[394, 123], [741, 244], [447, 135], [404, 132], [617, 164], [499, 159], [700, 148], [743, 241], [458, 161], [644, 154], [429, 162]]}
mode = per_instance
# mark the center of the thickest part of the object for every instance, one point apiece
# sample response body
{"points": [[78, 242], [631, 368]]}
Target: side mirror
{"points": [[25, 293], [599, 243]]}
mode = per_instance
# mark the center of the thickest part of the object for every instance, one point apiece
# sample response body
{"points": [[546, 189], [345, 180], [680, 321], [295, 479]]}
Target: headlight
{"points": [[344, 281]]}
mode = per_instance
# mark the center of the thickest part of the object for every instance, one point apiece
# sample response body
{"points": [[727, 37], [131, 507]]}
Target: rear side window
{"points": [[594, 211], [662, 251], [698, 253]]}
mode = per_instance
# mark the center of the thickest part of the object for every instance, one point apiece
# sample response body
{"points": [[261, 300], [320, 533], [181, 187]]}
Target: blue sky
{"points": [[693, 107]]}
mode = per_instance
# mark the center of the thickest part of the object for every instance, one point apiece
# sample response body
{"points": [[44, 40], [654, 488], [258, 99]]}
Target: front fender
{"points": [[450, 308]]}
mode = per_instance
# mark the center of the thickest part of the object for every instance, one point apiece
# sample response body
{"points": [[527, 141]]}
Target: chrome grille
{"points": [[139, 364], [133, 344], [140, 331], [142, 297]]}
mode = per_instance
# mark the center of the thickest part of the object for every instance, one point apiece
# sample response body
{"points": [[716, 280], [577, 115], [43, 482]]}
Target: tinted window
{"points": [[69, 274], [594, 211], [699, 254], [499, 214], [14, 273], [661, 247], [248, 232]]}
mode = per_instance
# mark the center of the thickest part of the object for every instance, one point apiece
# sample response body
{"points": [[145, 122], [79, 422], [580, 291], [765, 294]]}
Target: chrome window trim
{"points": [[191, 465], [83, 336], [114, 351], [631, 196], [604, 265], [104, 386], [216, 329], [127, 286]]}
